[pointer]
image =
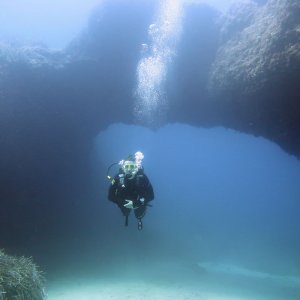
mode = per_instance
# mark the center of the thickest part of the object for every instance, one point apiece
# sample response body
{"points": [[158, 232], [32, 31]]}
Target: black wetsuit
{"points": [[123, 188]]}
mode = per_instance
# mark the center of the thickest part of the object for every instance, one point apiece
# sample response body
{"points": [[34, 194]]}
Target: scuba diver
{"points": [[131, 189]]}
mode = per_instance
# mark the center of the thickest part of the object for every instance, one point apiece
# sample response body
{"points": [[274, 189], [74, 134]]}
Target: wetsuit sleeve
{"points": [[148, 192], [112, 191]]}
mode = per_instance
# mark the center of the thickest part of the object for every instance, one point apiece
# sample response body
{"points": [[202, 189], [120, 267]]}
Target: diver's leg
{"points": [[125, 211], [140, 213]]}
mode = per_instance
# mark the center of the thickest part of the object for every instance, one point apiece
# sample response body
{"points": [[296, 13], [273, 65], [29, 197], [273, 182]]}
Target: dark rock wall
{"points": [[52, 105], [255, 74]]}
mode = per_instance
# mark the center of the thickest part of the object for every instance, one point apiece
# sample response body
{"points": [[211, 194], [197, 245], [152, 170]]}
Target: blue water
{"points": [[223, 225], [220, 195]]}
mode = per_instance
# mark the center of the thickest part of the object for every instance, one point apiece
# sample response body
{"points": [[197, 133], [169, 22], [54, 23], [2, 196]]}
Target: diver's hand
{"points": [[142, 201], [129, 204]]}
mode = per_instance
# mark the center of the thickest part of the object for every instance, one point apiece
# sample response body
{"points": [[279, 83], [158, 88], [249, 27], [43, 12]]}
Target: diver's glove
{"points": [[129, 204]]}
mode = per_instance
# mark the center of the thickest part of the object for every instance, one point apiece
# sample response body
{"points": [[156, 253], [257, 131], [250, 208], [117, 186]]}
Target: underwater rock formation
{"points": [[52, 105], [267, 50], [20, 279], [255, 75], [252, 75]]}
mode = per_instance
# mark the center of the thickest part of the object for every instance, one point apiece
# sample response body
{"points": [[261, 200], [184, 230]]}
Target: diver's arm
{"points": [[148, 193]]}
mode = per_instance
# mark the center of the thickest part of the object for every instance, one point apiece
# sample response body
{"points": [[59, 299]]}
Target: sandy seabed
{"points": [[134, 291], [165, 281]]}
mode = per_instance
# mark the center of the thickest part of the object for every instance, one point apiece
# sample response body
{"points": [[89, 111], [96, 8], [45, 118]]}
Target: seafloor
{"points": [[174, 281]]}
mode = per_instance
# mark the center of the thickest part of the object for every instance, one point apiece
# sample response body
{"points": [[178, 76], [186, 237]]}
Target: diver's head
{"points": [[130, 168]]}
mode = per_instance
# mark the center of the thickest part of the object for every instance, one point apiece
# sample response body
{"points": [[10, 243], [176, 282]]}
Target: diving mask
{"points": [[129, 167]]}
